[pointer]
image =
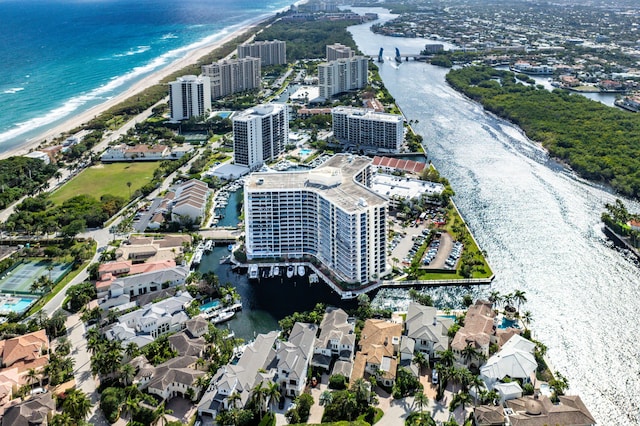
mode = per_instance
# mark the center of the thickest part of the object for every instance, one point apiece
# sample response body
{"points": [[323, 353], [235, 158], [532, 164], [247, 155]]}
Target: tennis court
{"points": [[18, 279]]}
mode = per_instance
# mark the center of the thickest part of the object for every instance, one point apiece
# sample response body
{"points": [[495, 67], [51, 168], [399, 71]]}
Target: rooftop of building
{"points": [[369, 113], [403, 187], [334, 180]]}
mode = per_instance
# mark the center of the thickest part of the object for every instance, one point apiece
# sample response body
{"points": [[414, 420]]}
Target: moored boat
{"points": [[301, 270], [221, 316], [253, 272], [289, 271]]}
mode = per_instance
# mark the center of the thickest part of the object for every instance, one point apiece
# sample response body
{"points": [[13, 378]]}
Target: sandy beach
{"points": [[84, 116]]}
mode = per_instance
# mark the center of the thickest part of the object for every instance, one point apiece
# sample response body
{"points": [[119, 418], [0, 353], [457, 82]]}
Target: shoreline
{"points": [[77, 119]]}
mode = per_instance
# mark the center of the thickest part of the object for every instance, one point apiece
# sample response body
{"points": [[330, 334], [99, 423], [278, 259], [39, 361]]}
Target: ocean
{"points": [[62, 57]]}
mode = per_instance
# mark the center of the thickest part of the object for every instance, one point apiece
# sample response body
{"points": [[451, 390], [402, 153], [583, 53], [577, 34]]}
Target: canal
{"points": [[540, 226]]}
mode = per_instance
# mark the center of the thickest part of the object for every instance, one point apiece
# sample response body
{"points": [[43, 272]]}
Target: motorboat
{"points": [[301, 271], [253, 272], [221, 316], [289, 271]]}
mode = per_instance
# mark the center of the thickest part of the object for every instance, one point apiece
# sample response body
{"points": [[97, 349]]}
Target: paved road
{"points": [[82, 367]]}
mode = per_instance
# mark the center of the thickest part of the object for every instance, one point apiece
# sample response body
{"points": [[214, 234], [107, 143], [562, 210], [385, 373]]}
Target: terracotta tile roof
{"points": [[25, 349], [478, 326], [396, 163]]}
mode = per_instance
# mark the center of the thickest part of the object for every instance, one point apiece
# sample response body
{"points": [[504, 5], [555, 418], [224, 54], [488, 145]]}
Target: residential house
{"points": [[515, 360], [259, 356], [190, 342], [190, 201], [123, 290], [538, 410], [336, 340], [107, 272], [154, 319], [489, 415], [377, 351], [19, 355], [176, 377], [136, 153], [427, 329], [146, 249], [477, 331], [34, 411], [293, 358]]}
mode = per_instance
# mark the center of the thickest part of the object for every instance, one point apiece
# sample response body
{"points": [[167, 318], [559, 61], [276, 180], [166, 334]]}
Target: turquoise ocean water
{"points": [[60, 57]]}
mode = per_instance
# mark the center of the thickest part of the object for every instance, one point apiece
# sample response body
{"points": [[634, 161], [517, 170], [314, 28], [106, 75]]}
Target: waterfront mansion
{"points": [[329, 213]]}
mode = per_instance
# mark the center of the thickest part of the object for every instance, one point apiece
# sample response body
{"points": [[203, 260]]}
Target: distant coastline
{"points": [[155, 77]]}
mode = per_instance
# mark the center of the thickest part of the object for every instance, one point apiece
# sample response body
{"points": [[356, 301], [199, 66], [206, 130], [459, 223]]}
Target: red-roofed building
{"points": [[390, 165], [108, 272]]}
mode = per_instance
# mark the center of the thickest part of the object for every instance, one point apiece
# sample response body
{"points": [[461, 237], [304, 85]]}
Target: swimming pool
{"points": [[209, 305], [506, 323], [15, 304], [224, 114], [305, 152]]}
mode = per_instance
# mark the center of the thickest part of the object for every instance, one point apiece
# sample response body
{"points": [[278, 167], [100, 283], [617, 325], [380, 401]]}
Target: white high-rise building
{"points": [[338, 51], [189, 96], [260, 134], [236, 75], [270, 52], [328, 213], [342, 75], [368, 128]]}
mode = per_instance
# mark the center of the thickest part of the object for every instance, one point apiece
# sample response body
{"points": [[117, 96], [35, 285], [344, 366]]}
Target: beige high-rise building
{"points": [[342, 75], [233, 76], [339, 51], [367, 128], [327, 212], [270, 52]]}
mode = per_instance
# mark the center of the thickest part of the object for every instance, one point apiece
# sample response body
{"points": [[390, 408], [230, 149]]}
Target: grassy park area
{"points": [[107, 179]]}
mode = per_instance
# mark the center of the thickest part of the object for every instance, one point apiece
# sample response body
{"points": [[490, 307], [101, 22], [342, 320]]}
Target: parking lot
{"points": [[443, 252]]}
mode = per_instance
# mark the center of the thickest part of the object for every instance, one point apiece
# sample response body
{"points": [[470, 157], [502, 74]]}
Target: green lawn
{"points": [[107, 179]]}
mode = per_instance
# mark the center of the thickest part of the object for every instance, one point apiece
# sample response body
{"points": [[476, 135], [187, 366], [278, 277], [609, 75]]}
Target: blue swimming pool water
{"points": [[224, 114], [305, 152], [452, 317], [209, 305], [506, 323], [21, 305]]}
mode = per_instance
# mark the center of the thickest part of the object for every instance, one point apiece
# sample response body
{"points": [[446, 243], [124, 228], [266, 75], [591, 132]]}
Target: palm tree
{"points": [[469, 354], [460, 399], [495, 298], [422, 361], [127, 373], [62, 419], [160, 414], [233, 399], [77, 405], [360, 388], [258, 396], [132, 350], [64, 346], [447, 358], [350, 407], [520, 297], [273, 394], [202, 382], [477, 384], [33, 376], [527, 317], [326, 398], [421, 401], [130, 406]]}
